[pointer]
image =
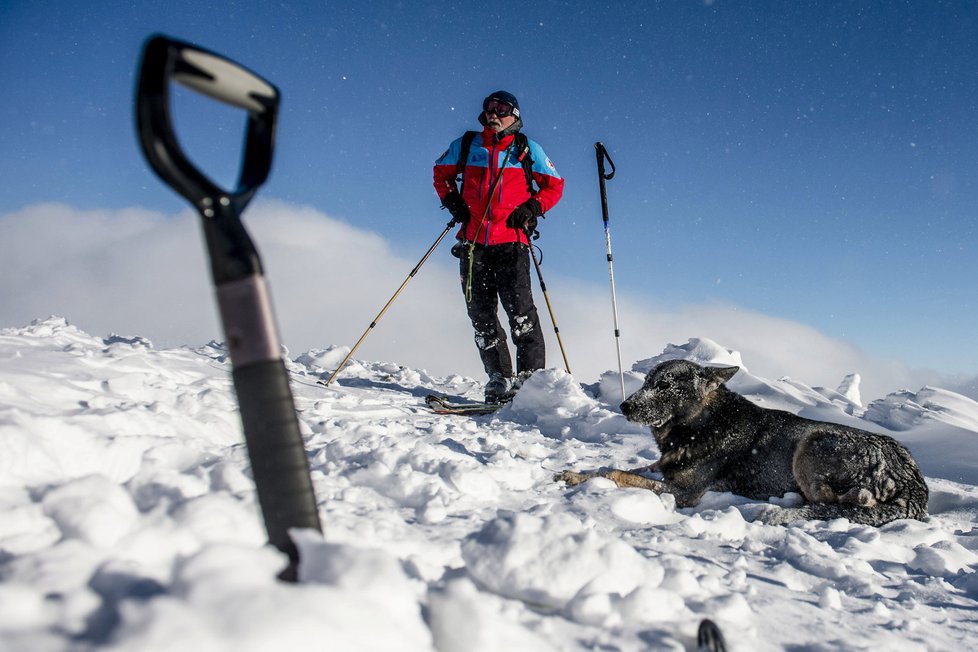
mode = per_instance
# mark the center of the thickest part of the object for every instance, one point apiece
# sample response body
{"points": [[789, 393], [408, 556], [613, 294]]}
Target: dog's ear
{"points": [[720, 375]]}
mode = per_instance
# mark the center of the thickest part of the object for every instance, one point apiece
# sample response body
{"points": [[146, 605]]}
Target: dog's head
{"points": [[674, 391]]}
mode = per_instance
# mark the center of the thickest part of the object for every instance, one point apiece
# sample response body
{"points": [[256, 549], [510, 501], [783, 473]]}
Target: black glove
{"points": [[457, 207], [524, 217]]}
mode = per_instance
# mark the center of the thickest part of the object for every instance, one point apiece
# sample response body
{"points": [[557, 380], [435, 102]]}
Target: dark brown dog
{"points": [[711, 439]]}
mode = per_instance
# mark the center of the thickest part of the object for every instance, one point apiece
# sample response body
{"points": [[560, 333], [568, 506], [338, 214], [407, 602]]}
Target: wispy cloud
{"points": [[136, 272]]}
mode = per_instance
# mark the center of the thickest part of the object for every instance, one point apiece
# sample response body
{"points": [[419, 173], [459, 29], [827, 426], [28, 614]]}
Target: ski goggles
{"points": [[499, 108]]}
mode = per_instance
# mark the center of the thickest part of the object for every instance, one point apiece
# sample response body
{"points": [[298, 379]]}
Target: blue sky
{"points": [[814, 162]]}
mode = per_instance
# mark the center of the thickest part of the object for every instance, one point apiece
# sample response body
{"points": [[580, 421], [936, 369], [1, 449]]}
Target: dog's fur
{"points": [[711, 439]]}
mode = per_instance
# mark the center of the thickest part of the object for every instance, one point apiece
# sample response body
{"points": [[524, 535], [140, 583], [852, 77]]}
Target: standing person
{"points": [[497, 208]]}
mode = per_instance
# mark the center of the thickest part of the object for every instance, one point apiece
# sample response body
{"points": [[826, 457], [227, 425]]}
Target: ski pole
{"points": [[388, 304], [261, 382], [602, 156], [546, 298]]}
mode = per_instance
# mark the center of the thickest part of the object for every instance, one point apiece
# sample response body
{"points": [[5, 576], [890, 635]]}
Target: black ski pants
{"points": [[501, 274]]}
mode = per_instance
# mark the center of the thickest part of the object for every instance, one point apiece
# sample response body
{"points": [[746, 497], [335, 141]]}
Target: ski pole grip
{"points": [[278, 457], [602, 156]]}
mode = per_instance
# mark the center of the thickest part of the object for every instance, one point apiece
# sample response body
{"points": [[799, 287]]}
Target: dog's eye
{"points": [[662, 384]]}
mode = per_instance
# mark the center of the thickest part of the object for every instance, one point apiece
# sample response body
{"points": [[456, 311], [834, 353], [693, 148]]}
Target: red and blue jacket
{"points": [[489, 227]]}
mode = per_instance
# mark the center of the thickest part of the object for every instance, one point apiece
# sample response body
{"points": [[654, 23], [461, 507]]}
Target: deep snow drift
{"points": [[128, 518]]}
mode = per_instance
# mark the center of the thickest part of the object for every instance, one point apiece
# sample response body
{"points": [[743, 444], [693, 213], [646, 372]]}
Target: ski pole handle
{"points": [[602, 155]]}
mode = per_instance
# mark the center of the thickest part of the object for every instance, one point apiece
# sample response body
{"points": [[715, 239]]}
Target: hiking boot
{"points": [[499, 389], [521, 378]]}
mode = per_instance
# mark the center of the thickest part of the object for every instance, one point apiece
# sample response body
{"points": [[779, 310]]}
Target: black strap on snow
{"points": [[521, 145]]}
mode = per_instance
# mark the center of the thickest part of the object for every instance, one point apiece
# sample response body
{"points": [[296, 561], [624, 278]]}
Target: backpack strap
{"points": [[522, 144], [463, 157]]}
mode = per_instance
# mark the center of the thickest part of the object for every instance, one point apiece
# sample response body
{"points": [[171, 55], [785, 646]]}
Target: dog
{"points": [[712, 439]]}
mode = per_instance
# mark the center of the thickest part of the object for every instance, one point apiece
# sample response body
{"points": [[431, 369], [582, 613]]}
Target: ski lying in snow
{"points": [[445, 405]]}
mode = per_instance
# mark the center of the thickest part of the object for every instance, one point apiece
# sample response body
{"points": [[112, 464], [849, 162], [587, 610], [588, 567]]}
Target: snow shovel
{"points": [[271, 429]]}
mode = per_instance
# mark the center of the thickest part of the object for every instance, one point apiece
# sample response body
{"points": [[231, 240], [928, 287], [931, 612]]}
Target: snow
{"points": [[128, 519]]}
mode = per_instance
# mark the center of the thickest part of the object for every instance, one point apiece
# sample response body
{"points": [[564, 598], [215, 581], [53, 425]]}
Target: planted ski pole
{"points": [[602, 156], [389, 302], [546, 298], [261, 383]]}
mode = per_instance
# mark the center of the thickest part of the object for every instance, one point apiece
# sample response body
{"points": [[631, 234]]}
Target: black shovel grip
{"points": [[222, 80], [278, 457]]}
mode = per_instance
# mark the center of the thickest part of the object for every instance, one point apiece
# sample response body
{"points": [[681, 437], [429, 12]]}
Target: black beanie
{"points": [[503, 96]]}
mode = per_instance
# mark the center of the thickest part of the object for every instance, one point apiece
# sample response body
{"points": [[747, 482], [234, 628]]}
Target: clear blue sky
{"points": [[814, 161]]}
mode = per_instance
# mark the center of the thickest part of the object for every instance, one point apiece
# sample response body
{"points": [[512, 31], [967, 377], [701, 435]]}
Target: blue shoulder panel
{"points": [[541, 162], [450, 157]]}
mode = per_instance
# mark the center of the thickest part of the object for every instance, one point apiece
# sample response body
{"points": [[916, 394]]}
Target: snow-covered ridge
{"points": [[128, 517]]}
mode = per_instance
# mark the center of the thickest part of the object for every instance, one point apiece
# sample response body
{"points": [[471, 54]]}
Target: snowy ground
{"points": [[128, 519]]}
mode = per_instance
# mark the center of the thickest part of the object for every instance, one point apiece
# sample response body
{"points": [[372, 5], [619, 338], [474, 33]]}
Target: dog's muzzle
{"points": [[626, 409], [635, 414]]}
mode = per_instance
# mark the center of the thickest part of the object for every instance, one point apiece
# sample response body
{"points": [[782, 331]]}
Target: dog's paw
{"points": [[571, 478]]}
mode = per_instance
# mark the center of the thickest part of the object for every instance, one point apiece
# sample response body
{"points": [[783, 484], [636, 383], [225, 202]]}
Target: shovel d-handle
{"points": [[278, 457], [166, 60]]}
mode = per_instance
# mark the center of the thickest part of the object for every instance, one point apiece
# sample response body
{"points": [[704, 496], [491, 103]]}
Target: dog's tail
{"points": [[913, 505], [874, 516]]}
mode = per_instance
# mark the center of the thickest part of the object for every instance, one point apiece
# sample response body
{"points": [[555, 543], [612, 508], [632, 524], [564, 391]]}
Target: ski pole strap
{"points": [[468, 275]]}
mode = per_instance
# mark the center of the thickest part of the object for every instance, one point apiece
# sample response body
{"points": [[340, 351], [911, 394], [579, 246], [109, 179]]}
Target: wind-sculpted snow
{"points": [[128, 518], [555, 404], [905, 410]]}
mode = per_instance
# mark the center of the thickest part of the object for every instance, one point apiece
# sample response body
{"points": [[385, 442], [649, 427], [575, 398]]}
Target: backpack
{"points": [[520, 142]]}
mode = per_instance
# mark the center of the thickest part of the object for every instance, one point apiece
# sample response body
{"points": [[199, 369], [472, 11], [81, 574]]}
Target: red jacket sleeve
{"points": [[445, 169]]}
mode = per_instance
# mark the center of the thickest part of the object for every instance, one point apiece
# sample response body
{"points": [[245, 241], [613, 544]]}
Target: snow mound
{"points": [[553, 560], [699, 350], [553, 402]]}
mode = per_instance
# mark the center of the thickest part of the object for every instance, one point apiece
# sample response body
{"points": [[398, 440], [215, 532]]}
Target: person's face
{"points": [[499, 115]]}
